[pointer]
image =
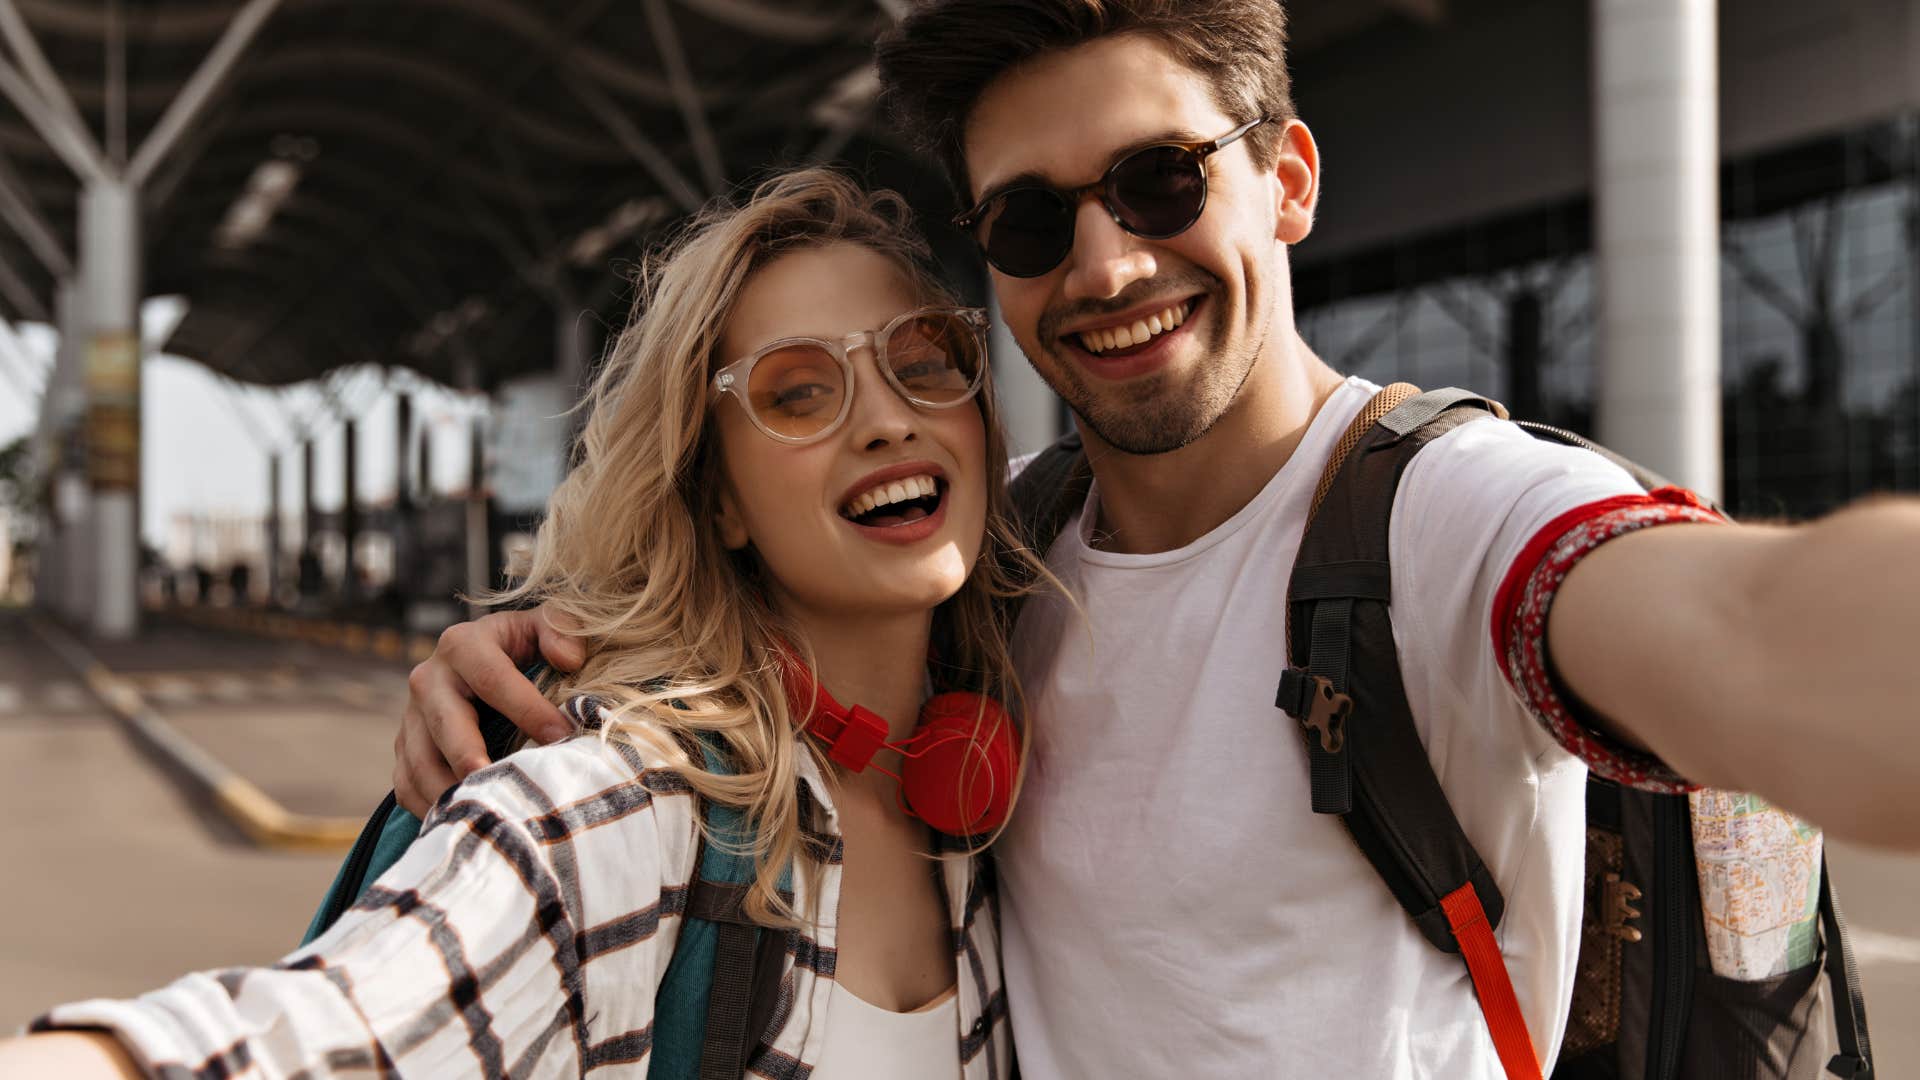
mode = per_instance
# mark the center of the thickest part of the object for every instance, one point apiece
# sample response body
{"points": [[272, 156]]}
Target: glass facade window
{"points": [[1820, 303]]}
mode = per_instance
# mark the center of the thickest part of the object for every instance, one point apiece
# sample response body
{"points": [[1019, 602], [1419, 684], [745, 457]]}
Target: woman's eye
{"points": [[802, 397]]}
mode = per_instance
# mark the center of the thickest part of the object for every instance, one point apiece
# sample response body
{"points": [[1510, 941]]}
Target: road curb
{"points": [[264, 820], [385, 642]]}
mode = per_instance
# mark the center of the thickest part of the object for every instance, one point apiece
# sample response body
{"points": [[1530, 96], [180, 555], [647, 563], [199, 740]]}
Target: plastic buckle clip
{"points": [[1327, 713]]}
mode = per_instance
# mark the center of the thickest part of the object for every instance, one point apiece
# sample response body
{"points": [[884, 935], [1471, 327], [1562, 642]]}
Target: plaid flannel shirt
{"points": [[524, 934]]}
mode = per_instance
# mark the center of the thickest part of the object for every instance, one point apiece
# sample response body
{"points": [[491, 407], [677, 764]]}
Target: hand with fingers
{"points": [[439, 742]]}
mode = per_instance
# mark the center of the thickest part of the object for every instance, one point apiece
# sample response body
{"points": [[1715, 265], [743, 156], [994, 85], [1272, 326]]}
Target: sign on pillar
{"points": [[113, 413]]}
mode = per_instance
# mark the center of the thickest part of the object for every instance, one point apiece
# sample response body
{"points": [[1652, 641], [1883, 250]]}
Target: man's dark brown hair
{"points": [[937, 61]]}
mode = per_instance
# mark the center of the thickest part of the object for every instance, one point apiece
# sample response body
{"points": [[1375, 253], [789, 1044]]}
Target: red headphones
{"points": [[958, 765]]}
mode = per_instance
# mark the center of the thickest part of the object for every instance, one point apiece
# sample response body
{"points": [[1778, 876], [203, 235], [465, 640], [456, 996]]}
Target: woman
{"points": [[790, 471]]}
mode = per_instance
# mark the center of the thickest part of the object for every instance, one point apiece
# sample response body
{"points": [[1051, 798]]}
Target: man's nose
{"points": [[1105, 258]]}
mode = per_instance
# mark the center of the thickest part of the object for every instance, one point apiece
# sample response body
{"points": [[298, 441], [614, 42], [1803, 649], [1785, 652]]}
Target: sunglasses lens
{"points": [[1159, 191], [797, 391], [936, 359], [1026, 232]]}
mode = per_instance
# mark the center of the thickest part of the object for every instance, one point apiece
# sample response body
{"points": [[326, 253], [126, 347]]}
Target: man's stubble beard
{"points": [[1147, 416]]}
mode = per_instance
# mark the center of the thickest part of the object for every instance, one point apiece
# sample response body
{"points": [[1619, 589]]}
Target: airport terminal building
{"points": [[1691, 230]]}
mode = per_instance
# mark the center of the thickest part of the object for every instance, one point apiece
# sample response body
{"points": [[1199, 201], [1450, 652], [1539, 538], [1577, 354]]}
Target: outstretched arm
{"points": [[473, 955], [75, 1055], [439, 740], [1779, 660]]}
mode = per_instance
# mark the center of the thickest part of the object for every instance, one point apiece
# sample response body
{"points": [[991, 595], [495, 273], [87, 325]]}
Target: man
{"points": [[1171, 906]]}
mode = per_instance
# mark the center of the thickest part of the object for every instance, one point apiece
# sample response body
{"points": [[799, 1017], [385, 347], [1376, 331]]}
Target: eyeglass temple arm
{"points": [[1231, 137]]}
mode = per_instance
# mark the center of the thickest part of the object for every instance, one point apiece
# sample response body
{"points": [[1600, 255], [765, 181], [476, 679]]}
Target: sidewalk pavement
{"points": [[120, 875], [271, 731]]}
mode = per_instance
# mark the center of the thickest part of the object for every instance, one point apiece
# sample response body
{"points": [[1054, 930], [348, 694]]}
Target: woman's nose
{"points": [[880, 416]]}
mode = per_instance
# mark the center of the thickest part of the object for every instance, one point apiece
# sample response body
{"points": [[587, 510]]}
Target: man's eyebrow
{"points": [[1032, 177]]}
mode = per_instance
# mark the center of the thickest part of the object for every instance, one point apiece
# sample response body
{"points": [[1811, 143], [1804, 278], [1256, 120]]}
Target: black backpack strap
{"points": [[1046, 494], [1367, 761], [1855, 1058], [1050, 490], [747, 962]]}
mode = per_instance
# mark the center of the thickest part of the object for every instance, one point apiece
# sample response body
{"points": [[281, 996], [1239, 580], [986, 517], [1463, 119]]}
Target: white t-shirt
{"points": [[1172, 906], [867, 1042]]}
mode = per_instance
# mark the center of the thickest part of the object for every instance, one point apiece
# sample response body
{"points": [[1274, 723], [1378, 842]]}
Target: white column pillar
{"points": [[65, 554], [1657, 235], [110, 303]]}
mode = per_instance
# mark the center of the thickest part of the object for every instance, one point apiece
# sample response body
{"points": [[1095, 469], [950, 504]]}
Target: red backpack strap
{"points": [[1491, 982]]}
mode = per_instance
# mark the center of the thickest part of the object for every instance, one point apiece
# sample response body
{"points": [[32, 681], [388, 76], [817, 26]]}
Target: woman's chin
{"points": [[899, 595]]}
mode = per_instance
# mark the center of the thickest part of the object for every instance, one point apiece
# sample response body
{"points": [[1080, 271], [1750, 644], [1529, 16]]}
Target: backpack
{"points": [[721, 987], [1646, 1003]]}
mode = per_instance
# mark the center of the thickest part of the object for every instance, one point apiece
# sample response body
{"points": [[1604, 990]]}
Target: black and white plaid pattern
{"points": [[524, 934]]}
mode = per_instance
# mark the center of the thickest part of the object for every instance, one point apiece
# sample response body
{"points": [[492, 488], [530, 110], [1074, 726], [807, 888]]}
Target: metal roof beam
{"points": [[24, 300], [439, 154], [673, 56], [643, 149], [200, 89], [180, 21], [73, 144], [770, 20], [26, 49], [116, 84], [330, 61], [159, 190], [17, 207]]}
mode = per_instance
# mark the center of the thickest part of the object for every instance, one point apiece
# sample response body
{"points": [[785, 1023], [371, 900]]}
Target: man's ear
{"points": [[726, 518], [1298, 192]]}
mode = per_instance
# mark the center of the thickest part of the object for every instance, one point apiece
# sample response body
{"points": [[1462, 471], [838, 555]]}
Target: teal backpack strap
{"points": [[723, 983], [391, 830], [385, 837]]}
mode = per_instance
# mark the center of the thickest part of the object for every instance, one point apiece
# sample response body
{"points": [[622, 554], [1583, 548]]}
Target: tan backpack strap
{"points": [[1384, 402]]}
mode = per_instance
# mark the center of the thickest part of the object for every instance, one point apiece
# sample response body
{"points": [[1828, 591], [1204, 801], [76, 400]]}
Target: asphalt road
{"points": [[117, 880]]}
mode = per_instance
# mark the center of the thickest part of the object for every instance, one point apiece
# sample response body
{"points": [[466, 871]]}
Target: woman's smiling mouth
{"points": [[893, 503]]}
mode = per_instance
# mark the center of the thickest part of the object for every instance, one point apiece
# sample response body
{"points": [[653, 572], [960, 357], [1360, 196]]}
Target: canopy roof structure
{"points": [[433, 183]]}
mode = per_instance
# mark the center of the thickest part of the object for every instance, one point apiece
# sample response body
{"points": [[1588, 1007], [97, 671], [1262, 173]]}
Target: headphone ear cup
{"points": [[961, 782]]}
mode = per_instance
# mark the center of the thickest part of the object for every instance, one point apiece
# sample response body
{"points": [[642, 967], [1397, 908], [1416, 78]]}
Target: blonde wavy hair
{"points": [[682, 639]]}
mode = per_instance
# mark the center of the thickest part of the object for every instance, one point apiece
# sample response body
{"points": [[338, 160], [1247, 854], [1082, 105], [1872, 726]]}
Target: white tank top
{"points": [[866, 1042]]}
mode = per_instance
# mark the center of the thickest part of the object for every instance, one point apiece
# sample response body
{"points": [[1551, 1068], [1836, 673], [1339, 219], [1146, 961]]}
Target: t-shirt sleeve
{"points": [[1490, 520], [1519, 626], [480, 952]]}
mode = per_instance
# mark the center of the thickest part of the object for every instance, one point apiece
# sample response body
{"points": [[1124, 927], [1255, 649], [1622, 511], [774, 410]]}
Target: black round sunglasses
{"points": [[1155, 192]]}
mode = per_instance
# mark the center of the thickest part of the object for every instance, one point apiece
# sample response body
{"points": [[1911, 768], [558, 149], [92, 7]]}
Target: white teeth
{"points": [[894, 491], [1137, 333]]}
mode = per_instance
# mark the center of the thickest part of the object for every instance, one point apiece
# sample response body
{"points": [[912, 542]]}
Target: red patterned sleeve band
{"points": [[1520, 627]]}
